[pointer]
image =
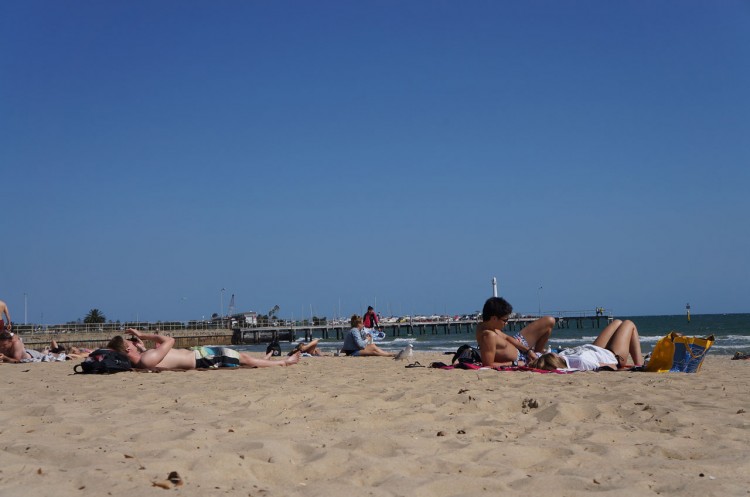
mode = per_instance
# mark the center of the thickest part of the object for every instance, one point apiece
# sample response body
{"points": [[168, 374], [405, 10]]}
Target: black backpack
{"points": [[104, 361], [274, 347], [467, 353]]}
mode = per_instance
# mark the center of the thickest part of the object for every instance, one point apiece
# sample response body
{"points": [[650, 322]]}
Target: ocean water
{"points": [[732, 333]]}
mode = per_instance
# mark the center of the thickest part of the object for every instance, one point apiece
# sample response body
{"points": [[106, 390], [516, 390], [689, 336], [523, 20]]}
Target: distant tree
{"points": [[95, 316]]}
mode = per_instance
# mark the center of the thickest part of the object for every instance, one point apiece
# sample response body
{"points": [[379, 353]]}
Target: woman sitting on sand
{"points": [[358, 343], [610, 349]]}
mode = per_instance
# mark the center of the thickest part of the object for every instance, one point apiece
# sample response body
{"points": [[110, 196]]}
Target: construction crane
{"points": [[273, 312]]}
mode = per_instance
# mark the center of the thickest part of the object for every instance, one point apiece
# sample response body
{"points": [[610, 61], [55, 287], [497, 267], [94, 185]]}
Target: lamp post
{"points": [[25, 309], [221, 309], [539, 300], [494, 286]]}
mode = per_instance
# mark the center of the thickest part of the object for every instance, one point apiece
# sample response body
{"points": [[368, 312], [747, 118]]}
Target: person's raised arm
{"points": [[152, 357], [4, 310]]}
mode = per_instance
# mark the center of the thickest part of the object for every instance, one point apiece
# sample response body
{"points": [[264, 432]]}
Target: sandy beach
{"points": [[337, 426]]}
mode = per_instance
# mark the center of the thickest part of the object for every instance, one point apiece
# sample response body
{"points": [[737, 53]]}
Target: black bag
{"points": [[104, 361], [467, 353], [274, 347]]}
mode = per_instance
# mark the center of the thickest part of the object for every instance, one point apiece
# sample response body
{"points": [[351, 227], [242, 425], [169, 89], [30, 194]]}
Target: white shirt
{"points": [[587, 357]]}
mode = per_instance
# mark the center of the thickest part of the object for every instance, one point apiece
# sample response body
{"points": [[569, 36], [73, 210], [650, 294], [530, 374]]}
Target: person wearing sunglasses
{"points": [[498, 349]]}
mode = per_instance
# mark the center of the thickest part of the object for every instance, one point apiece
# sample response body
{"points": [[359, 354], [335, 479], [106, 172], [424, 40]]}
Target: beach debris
{"points": [[140, 465], [463, 390], [39, 471], [530, 403], [173, 480], [441, 434], [461, 432], [741, 411], [406, 353]]}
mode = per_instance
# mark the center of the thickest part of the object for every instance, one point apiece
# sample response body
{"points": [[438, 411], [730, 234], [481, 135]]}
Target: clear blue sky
{"points": [[338, 154]]}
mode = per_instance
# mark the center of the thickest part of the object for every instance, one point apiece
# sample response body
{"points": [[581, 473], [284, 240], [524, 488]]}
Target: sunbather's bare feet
{"points": [[292, 359]]}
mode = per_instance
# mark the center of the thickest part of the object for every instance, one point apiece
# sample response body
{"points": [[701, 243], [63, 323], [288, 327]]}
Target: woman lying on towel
{"points": [[610, 349]]}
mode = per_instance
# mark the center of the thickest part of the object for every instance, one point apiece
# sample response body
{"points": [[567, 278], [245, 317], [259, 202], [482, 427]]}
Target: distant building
{"points": [[244, 319]]}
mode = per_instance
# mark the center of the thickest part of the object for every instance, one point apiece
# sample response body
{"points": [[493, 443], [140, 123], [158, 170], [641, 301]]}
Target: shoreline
{"points": [[432, 343], [336, 425]]}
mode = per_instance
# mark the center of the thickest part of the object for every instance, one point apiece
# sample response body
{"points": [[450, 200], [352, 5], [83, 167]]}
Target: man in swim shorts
{"points": [[215, 357], [499, 349], [165, 356]]}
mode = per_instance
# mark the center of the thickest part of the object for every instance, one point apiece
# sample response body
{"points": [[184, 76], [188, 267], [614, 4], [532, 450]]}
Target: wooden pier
{"points": [[405, 329], [222, 336]]}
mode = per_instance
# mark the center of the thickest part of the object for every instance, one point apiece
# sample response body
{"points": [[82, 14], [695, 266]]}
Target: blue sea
{"points": [[732, 333]]}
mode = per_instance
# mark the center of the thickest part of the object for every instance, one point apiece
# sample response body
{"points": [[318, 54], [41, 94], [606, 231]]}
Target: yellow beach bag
{"points": [[676, 353]]}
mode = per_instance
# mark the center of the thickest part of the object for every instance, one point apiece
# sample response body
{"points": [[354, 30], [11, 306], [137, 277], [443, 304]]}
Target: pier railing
{"points": [[161, 326], [404, 328], [292, 330]]}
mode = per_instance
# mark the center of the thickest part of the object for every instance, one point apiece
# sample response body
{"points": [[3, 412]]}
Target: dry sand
{"points": [[337, 426]]}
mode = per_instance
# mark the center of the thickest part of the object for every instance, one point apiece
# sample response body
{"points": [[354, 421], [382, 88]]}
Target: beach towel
{"points": [[466, 365], [36, 356], [676, 353]]}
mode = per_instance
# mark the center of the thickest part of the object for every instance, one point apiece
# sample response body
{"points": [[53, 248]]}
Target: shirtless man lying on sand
{"points": [[499, 349], [12, 349], [165, 356]]}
